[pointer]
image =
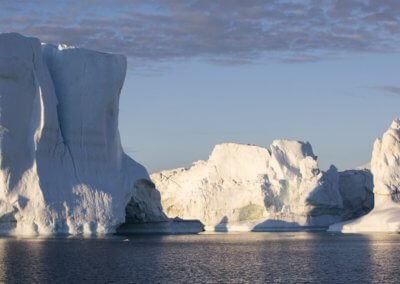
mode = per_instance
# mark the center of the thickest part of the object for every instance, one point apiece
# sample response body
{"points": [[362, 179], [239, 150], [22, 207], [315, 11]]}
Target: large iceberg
{"points": [[251, 188], [385, 167], [62, 167]]}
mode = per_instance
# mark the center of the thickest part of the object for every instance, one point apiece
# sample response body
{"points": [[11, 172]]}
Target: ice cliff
{"points": [[63, 170], [62, 167], [385, 167], [246, 187]]}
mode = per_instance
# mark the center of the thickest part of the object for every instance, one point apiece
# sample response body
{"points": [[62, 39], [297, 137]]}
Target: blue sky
{"points": [[207, 72]]}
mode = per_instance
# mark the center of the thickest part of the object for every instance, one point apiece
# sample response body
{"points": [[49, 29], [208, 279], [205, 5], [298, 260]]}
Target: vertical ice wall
{"points": [[62, 167], [385, 168], [385, 165]]}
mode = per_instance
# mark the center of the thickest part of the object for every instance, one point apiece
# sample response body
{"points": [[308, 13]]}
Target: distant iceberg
{"points": [[251, 188], [385, 167]]}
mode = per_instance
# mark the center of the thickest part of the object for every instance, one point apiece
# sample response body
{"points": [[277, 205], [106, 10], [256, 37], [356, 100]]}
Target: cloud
{"points": [[392, 90], [223, 32]]}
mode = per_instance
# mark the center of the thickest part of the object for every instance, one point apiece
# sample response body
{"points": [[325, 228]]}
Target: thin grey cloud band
{"points": [[224, 32]]}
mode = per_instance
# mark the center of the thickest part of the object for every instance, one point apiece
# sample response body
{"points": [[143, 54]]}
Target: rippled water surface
{"points": [[252, 257]]}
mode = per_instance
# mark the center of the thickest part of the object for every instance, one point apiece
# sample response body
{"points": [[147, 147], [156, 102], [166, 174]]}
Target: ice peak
{"points": [[392, 133], [395, 124], [234, 146], [63, 46], [294, 146], [385, 162]]}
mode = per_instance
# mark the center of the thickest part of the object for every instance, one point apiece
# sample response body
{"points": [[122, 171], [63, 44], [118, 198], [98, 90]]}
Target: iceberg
{"points": [[252, 188], [385, 168], [62, 167]]}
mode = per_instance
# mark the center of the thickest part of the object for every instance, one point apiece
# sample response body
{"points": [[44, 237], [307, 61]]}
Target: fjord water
{"points": [[247, 257]]}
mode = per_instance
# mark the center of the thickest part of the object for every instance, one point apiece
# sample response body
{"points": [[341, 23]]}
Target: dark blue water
{"points": [[234, 258]]}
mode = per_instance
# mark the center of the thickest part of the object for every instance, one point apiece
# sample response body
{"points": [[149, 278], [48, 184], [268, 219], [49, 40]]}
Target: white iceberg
{"points": [[385, 168], [62, 167], [246, 187]]}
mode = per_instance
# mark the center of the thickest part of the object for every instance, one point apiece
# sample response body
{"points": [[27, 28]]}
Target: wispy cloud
{"points": [[223, 32], [392, 90]]}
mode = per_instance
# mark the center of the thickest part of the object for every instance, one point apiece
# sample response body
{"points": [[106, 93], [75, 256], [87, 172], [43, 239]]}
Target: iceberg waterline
{"points": [[62, 167]]}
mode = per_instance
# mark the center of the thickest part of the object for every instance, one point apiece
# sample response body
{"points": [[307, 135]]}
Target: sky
{"points": [[203, 72]]}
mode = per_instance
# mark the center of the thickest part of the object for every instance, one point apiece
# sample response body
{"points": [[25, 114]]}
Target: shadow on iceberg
{"points": [[320, 198], [222, 226], [144, 214], [307, 198]]}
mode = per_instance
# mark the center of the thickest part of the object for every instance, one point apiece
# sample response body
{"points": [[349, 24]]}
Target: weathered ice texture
{"points": [[385, 168], [245, 187], [62, 167]]}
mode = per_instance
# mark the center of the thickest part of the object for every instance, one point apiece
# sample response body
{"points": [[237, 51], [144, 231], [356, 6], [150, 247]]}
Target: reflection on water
{"points": [[252, 257]]}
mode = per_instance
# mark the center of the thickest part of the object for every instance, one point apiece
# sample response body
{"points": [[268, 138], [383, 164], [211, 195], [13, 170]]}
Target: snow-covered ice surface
{"points": [[62, 167], [385, 167], [246, 187]]}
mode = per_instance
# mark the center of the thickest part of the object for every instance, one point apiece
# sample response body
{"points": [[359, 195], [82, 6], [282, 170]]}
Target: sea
{"points": [[298, 257]]}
